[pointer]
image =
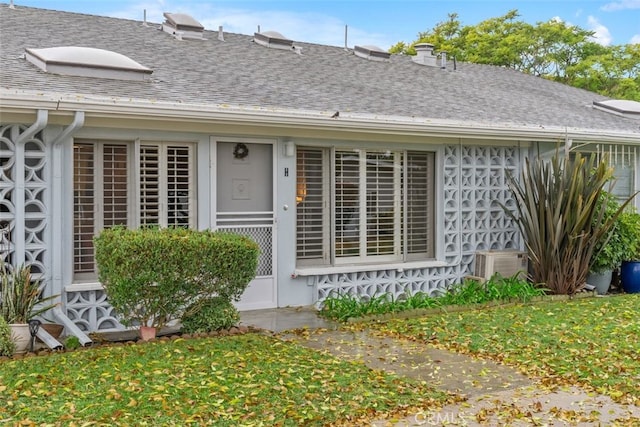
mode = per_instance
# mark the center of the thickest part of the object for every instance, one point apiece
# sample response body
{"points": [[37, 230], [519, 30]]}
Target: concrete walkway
{"points": [[494, 394]]}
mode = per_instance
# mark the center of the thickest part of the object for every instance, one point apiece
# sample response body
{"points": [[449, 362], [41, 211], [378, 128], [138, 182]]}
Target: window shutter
{"points": [[149, 185], [382, 217], [420, 204], [347, 204], [180, 187], [84, 208], [311, 206], [115, 185]]}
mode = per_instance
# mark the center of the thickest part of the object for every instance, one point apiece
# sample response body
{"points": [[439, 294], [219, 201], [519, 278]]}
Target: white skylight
{"points": [[372, 53], [87, 62], [620, 106], [273, 39], [181, 25]]}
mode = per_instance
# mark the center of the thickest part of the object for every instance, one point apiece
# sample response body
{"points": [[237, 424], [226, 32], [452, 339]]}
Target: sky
{"points": [[381, 23]]}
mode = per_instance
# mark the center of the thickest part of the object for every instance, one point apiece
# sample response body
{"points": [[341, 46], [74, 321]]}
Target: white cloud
{"points": [[302, 27], [602, 34], [635, 39], [621, 5]]}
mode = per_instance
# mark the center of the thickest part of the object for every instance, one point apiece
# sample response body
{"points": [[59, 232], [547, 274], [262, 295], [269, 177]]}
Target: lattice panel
{"points": [[7, 191], [432, 281], [91, 312], [35, 209], [31, 215], [474, 186], [263, 236]]}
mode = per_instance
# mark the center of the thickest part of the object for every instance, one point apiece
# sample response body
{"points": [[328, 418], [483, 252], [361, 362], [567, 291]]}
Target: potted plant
{"points": [[609, 252], [630, 238], [20, 300]]}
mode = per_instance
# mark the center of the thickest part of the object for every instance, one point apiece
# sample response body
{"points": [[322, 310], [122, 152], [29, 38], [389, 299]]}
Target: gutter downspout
{"points": [[19, 237], [58, 226]]}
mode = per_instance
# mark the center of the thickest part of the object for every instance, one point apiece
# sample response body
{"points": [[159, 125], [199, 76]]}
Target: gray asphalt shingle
{"points": [[324, 78]]}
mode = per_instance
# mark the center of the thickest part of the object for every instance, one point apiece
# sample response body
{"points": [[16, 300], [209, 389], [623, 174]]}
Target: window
{"points": [[364, 206], [139, 184]]}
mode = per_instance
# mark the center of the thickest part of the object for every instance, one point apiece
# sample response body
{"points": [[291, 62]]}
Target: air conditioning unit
{"points": [[507, 263]]}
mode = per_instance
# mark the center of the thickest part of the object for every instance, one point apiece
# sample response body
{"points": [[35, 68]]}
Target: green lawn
{"points": [[250, 380], [256, 380], [594, 342]]}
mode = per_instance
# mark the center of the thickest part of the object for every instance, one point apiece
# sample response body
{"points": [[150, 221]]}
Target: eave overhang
{"points": [[14, 101]]}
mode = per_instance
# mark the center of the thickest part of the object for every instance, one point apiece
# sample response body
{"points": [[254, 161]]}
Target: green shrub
{"points": [[610, 250], [7, 346], [211, 314], [344, 306], [152, 275], [72, 343]]}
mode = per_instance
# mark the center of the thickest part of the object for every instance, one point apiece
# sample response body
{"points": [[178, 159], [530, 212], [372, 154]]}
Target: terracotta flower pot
{"points": [[147, 333]]}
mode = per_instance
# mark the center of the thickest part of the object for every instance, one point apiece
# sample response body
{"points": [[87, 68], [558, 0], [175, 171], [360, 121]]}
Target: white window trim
{"points": [[401, 259]]}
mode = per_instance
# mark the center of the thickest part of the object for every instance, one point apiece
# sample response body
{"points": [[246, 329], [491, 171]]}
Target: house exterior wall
{"points": [[36, 185], [473, 184]]}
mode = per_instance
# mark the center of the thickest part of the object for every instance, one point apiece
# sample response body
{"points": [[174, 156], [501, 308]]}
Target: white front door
{"points": [[244, 205]]}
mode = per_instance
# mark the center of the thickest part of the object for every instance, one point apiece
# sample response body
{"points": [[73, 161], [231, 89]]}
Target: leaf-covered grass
{"points": [[342, 307], [226, 381], [593, 342]]}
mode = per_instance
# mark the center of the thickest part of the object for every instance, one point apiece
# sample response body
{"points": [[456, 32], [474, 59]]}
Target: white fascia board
{"points": [[279, 117]]}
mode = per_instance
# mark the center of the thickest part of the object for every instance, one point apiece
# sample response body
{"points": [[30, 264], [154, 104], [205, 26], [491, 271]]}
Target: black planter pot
{"points": [[630, 276]]}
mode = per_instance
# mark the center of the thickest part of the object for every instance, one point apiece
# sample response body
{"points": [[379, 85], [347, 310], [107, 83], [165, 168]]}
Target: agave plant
{"points": [[21, 295], [560, 219]]}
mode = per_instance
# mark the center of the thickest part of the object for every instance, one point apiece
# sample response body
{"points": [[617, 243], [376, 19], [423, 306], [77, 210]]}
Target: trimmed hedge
{"points": [[152, 275], [212, 314], [7, 345]]}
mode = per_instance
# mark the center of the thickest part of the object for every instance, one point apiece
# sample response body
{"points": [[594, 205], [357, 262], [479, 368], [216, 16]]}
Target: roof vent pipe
{"points": [[443, 60], [220, 34], [11, 6], [424, 55], [345, 37], [144, 18]]}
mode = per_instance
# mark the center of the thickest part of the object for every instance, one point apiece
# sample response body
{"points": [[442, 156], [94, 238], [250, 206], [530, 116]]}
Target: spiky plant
{"points": [[559, 217], [21, 295]]}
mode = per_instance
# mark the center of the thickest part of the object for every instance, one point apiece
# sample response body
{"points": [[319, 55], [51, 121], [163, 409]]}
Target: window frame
{"points": [[134, 188], [396, 179]]}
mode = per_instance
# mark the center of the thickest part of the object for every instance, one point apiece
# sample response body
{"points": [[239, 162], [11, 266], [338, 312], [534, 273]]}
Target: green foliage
{"points": [[553, 49], [21, 295], [610, 250], [152, 275], [345, 306], [7, 345], [72, 343], [559, 217], [239, 380], [588, 342], [211, 314], [629, 234]]}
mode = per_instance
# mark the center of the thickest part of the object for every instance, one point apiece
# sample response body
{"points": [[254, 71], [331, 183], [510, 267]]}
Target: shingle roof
{"points": [[239, 72]]}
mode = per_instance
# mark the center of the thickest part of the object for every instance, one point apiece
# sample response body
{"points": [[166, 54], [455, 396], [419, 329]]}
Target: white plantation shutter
{"points": [[149, 185], [180, 188], [383, 196], [167, 185], [382, 206], [115, 185], [101, 196], [84, 205], [347, 204], [104, 191], [420, 191], [312, 214]]}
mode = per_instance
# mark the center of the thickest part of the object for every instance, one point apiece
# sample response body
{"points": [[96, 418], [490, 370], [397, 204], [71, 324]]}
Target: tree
{"points": [[552, 50]]}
